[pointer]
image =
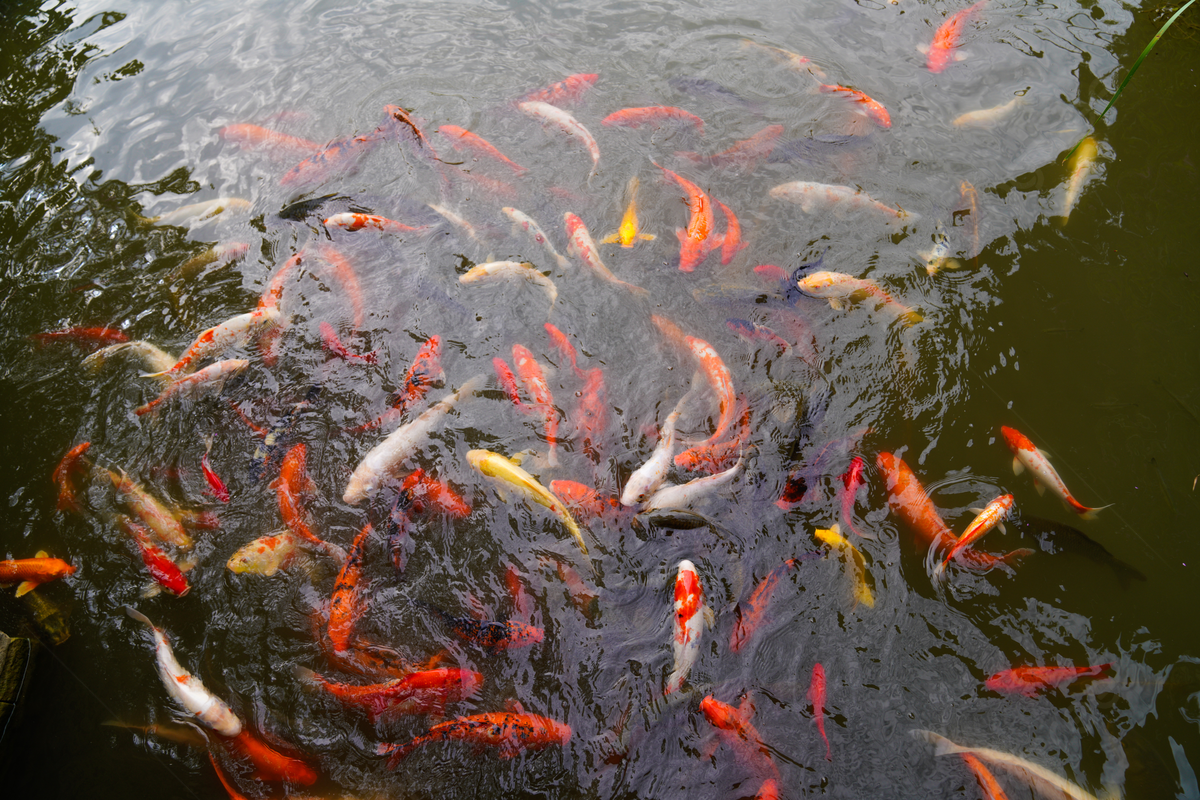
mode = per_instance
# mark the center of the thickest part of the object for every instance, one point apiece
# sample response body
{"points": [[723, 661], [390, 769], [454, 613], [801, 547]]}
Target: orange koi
{"points": [[425, 373], [582, 597], [348, 221], [510, 732], [987, 781], [750, 615], [345, 607], [590, 418], [568, 90], [426, 692], [343, 273], [530, 373], [1030, 680], [461, 138], [714, 457], [696, 241], [653, 116], [336, 347], [564, 346], [584, 500], [989, 518], [945, 41], [522, 602], [293, 487], [278, 145], [735, 726], [269, 763], [508, 382], [70, 463], [33, 572], [731, 242], [425, 493], [720, 380], [816, 696], [1027, 456], [872, 108], [339, 156], [86, 338], [745, 155], [852, 480]]}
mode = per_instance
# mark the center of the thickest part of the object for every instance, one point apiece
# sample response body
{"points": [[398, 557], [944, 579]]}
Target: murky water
{"points": [[1079, 334]]}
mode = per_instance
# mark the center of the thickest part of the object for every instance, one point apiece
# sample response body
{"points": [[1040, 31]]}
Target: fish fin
{"points": [[1092, 512], [710, 618], [1040, 488], [25, 587], [611, 238], [158, 374], [745, 709], [835, 303], [1018, 467], [975, 509], [649, 237], [942, 745], [514, 705], [137, 615], [41, 554], [151, 589], [923, 49], [1000, 525], [1015, 555], [960, 56]]}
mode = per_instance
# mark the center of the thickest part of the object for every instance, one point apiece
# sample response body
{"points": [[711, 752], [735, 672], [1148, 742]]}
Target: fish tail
{"points": [[137, 615], [1016, 555], [1087, 513], [396, 754]]}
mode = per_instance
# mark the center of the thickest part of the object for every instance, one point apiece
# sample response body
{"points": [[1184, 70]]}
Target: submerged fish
{"points": [[627, 234], [509, 733], [854, 563], [1081, 167], [32, 572], [812, 197], [1030, 680], [691, 615], [1055, 537], [1027, 456]]}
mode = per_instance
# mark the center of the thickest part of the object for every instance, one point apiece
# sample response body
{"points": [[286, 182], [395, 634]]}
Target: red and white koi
{"points": [[214, 375], [582, 247], [348, 221], [691, 615], [653, 116], [232, 332], [526, 223], [990, 517], [186, 689], [567, 124], [567, 90], [387, 456], [1027, 456]]}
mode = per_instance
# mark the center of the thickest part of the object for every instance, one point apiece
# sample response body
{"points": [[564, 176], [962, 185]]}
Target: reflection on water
{"points": [[934, 309]]}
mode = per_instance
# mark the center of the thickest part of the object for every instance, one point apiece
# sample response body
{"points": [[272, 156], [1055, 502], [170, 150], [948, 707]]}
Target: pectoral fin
{"points": [[1018, 467]]}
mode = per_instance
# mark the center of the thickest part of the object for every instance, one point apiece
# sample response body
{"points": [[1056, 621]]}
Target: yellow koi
{"points": [[854, 560], [627, 234], [1081, 167], [494, 465]]}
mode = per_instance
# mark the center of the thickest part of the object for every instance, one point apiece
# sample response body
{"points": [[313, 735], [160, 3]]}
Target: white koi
{"points": [[567, 124], [521, 270], [526, 223], [825, 196], [682, 495], [647, 478]]}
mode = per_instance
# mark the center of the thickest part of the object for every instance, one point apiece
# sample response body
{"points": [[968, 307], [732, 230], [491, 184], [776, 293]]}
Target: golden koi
{"points": [[990, 517], [837, 287], [854, 562], [146, 507], [266, 555], [496, 466], [1081, 167], [628, 234]]}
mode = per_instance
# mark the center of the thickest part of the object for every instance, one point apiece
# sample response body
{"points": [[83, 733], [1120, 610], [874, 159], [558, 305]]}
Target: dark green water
{"points": [[1083, 336]]}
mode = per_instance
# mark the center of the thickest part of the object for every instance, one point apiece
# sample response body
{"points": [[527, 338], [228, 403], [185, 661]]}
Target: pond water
{"points": [[1079, 331]]}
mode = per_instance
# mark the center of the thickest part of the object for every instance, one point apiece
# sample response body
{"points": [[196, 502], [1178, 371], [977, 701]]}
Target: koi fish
{"points": [[852, 480], [491, 635], [745, 154], [257, 137], [504, 270], [508, 382], [945, 41], [1030, 680], [525, 222], [591, 413], [816, 696], [146, 507], [987, 117], [387, 456], [837, 287], [33, 572], [340, 156], [496, 466], [646, 479], [461, 138], [677, 496], [691, 615], [206, 209], [343, 273], [1027, 456], [522, 602], [84, 337], [269, 763], [582, 597], [987, 781], [564, 347], [73, 461], [754, 333], [232, 332], [424, 373], [1081, 167], [1040, 779], [907, 499], [721, 381], [714, 457], [510, 733], [345, 605], [216, 486], [750, 615], [794, 60], [653, 116], [425, 493], [734, 725], [830, 197], [567, 90], [213, 375], [582, 247], [334, 346], [186, 689], [457, 221], [990, 517], [585, 500], [702, 87], [222, 254], [697, 240], [356, 222], [165, 572], [567, 124], [872, 108], [293, 487], [534, 380], [424, 692], [154, 359], [854, 562], [1055, 537], [731, 241], [266, 555], [627, 233]]}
